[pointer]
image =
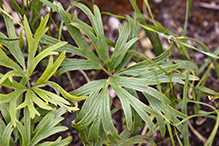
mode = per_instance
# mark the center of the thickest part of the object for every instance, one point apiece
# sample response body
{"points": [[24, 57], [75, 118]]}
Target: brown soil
{"points": [[203, 25]]}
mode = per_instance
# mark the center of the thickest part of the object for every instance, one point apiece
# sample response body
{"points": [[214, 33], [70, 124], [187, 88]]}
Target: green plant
{"points": [[94, 121], [31, 113], [25, 94]]}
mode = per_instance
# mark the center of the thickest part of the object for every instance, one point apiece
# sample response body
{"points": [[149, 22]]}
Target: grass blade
{"points": [[142, 20], [185, 92]]}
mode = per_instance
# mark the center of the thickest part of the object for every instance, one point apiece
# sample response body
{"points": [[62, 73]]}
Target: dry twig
{"points": [[207, 5]]}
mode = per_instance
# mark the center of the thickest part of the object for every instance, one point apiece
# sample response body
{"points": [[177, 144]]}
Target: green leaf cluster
{"points": [[94, 121], [30, 136], [28, 96], [31, 113], [24, 89]]}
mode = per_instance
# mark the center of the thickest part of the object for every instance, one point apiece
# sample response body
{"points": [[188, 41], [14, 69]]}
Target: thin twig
{"points": [[207, 5], [200, 122], [202, 138], [143, 132], [85, 75], [69, 77]]}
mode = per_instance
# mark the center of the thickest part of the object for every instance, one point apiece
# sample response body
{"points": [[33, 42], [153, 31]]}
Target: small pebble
{"points": [[158, 1]]}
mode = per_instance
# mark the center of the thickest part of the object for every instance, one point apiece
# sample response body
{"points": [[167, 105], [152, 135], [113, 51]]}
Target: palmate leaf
{"points": [[44, 96], [144, 66], [139, 85], [59, 89], [132, 34], [95, 112], [49, 97], [51, 69], [121, 46], [92, 112], [139, 107], [27, 96], [2, 128], [12, 97], [89, 88], [99, 112], [95, 116], [38, 101], [68, 48], [137, 121], [9, 63], [33, 43], [171, 113], [28, 102], [92, 95], [4, 98], [45, 128], [13, 46], [31, 94], [25, 129], [133, 140], [100, 44], [94, 32], [12, 105], [97, 106], [107, 119], [96, 109], [6, 136], [129, 103], [76, 64], [47, 52], [76, 35], [5, 112], [99, 41], [58, 142], [31, 98], [9, 75]]}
